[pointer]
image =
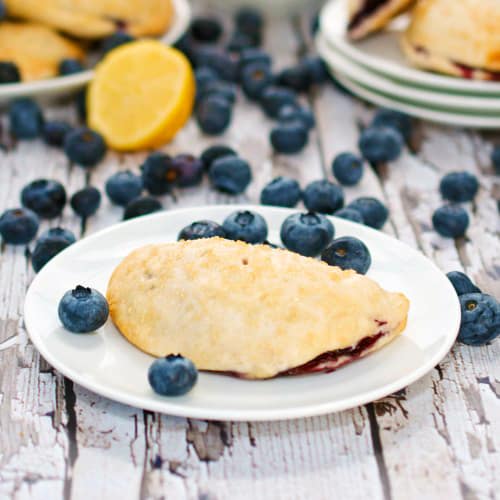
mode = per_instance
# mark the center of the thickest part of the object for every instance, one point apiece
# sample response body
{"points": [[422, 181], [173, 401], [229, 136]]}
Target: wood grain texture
{"points": [[438, 438]]}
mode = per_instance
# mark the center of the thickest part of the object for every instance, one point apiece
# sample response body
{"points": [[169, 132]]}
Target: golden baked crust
{"points": [[35, 49], [97, 18], [460, 38], [246, 309], [384, 11]]}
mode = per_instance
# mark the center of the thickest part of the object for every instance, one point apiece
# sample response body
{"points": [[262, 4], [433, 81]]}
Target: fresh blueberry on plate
{"points": [[480, 319], [45, 197], [85, 202], [70, 66], [217, 88], [289, 137], [293, 113], [255, 78], [25, 119], [230, 174], [459, 186], [316, 69], [394, 119], [173, 375], [348, 253], [380, 144], [347, 169], [123, 187], [249, 20], [49, 244], [115, 40], [294, 77], [84, 147], [213, 114], [240, 41], [350, 214], [273, 98], [450, 221], [158, 175], [224, 63], [83, 310], [202, 229], [18, 226], [245, 226], [190, 169], [205, 29], [253, 55], [215, 152], [143, 205], [54, 132], [323, 196], [203, 76], [281, 192], [462, 283], [306, 233], [374, 212], [9, 72]]}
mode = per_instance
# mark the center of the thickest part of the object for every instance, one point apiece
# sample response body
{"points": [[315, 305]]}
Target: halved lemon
{"points": [[141, 95]]}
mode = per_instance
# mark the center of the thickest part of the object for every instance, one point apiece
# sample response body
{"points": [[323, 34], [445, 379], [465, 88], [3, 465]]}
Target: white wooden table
{"points": [[439, 438]]}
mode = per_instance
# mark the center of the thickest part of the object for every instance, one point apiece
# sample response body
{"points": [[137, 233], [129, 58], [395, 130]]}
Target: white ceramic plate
{"points": [[381, 53], [107, 364], [63, 85], [411, 95], [433, 115]]}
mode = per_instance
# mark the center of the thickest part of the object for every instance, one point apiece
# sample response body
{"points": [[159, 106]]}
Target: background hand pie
{"points": [[250, 310], [97, 18]]}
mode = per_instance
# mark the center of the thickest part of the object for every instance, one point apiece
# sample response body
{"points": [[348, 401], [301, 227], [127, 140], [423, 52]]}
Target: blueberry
{"points": [[123, 187], [18, 226], [49, 244], [350, 214], [203, 76], [54, 132], [212, 153], [213, 115], [83, 310], [240, 41], [289, 137], [323, 196], [70, 67], [306, 233], [374, 212], [202, 229], [316, 69], [459, 186], [450, 221], [255, 78], [158, 175], [225, 64], [230, 174], [84, 147], [293, 113], [25, 118], [295, 77], [380, 144], [462, 283], [495, 159], [273, 98], [190, 170], [217, 88], [347, 169], [86, 201], [249, 20], [115, 40], [348, 253], [143, 205], [187, 46], [480, 319], [45, 197], [9, 72], [281, 192], [173, 375], [245, 226], [394, 119], [205, 29], [253, 55]]}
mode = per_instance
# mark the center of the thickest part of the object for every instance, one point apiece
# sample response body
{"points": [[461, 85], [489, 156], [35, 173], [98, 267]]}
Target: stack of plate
{"points": [[376, 70]]}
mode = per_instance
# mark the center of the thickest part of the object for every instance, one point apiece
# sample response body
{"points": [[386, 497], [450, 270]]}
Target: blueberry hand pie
{"points": [[368, 16], [460, 38], [250, 311]]}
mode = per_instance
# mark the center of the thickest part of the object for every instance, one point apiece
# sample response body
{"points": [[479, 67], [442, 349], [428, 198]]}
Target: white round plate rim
{"points": [[64, 84], [443, 117], [169, 405], [333, 20], [377, 82]]}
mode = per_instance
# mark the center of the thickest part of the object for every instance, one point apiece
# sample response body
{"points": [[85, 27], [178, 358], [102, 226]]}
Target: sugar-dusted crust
{"points": [[35, 49], [97, 18], [362, 25], [247, 309], [460, 38]]}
